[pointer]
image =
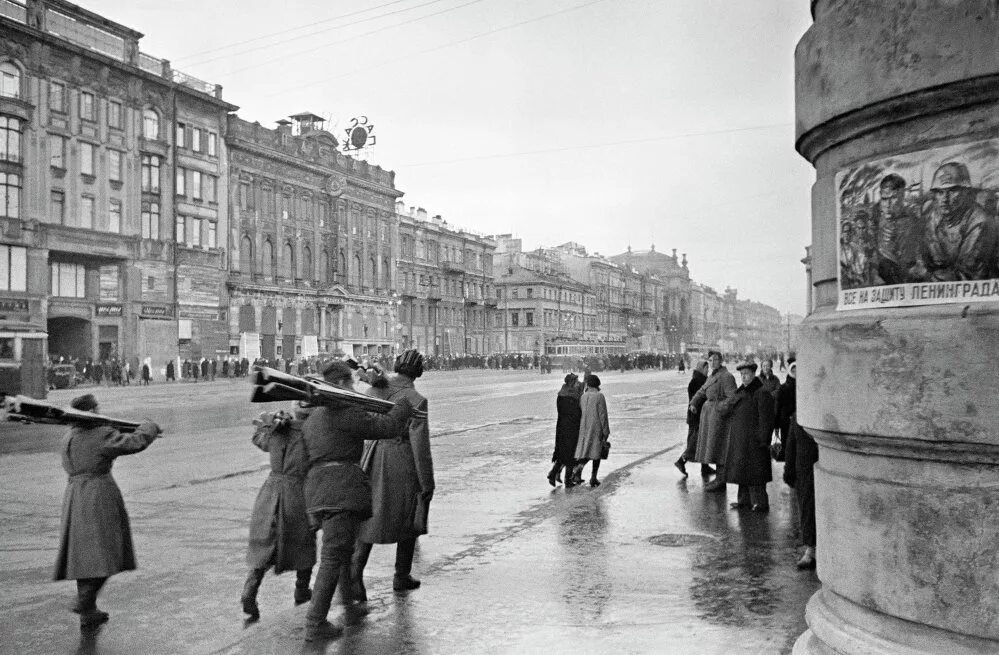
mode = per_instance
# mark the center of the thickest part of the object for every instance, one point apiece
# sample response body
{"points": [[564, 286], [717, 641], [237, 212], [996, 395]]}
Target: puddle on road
{"points": [[681, 539]]}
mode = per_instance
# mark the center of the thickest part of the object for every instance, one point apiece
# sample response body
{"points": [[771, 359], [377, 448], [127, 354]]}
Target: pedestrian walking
{"points": [[751, 422], [712, 431], [96, 540], [594, 431], [280, 535], [337, 491], [697, 380], [566, 430], [402, 481]]}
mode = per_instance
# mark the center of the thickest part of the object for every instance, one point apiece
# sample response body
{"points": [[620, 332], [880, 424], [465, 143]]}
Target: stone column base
{"points": [[838, 626]]}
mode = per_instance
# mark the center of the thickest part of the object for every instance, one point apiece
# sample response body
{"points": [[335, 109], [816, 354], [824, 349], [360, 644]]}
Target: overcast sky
{"points": [[606, 122]]}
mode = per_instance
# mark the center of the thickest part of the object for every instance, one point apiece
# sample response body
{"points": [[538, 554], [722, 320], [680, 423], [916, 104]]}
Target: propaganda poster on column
{"points": [[920, 228]]}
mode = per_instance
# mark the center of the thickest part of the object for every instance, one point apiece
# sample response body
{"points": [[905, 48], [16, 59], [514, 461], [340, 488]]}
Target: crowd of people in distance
{"points": [[739, 428]]}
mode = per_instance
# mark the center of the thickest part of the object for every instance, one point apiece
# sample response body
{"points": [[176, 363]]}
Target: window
{"points": [[180, 230], [10, 195], [87, 110], [114, 217], [213, 234], [194, 238], [212, 144], [86, 158], [530, 294], [267, 259], [114, 114], [114, 165], [196, 184], [68, 280], [57, 96], [57, 207], [245, 196], [180, 189], [210, 191], [246, 255], [10, 139], [307, 263], [150, 220], [181, 142], [287, 263], [10, 80], [150, 124], [57, 151], [150, 283], [87, 212], [515, 319], [13, 268], [151, 173], [196, 139]]}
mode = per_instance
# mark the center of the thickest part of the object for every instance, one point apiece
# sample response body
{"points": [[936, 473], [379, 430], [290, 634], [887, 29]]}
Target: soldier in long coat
{"points": [[712, 433], [280, 535], [96, 540], [402, 481], [751, 422], [566, 429]]}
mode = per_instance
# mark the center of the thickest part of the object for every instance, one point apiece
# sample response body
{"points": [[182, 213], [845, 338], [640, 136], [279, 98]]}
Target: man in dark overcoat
{"points": [[96, 540], [402, 481], [337, 491], [751, 422], [697, 380]]}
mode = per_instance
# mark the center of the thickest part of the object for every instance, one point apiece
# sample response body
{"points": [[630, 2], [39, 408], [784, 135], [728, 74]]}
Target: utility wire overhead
{"points": [[197, 55], [297, 53], [325, 30], [440, 47]]}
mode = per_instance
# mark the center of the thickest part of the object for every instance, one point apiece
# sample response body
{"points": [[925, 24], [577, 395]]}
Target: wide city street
{"points": [[645, 563]]}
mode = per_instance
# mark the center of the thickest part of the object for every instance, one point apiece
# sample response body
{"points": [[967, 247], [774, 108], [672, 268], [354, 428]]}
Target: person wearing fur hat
{"points": [[280, 535], [402, 480], [96, 540], [337, 491]]}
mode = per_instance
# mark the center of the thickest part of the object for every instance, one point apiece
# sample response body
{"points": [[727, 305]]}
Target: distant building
{"points": [[312, 246]]}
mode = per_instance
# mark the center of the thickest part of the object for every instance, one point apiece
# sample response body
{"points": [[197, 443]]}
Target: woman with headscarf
{"points": [[566, 430], [96, 541], [594, 430]]}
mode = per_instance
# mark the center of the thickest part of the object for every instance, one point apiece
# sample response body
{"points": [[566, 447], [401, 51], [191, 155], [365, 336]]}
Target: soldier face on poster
{"points": [[920, 228]]}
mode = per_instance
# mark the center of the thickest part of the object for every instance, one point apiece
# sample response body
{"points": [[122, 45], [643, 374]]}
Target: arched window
{"points": [[386, 274], [287, 263], [327, 267], [342, 267], [267, 259], [373, 268], [150, 124], [355, 271], [246, 255], [10, 80], [307, 271]]}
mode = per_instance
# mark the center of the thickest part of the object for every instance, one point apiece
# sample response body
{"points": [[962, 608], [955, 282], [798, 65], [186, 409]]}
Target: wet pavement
{"points": [[645, 563]]}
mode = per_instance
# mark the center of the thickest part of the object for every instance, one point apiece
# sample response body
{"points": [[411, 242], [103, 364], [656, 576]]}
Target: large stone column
{"points": [[898, 110]]}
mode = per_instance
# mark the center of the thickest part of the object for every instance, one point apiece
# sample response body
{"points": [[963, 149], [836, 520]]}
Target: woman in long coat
{"points": [[712, 433], [402, 481], [96, 540], [566, 430], [751, 422], [280, 535], [594, 429]]}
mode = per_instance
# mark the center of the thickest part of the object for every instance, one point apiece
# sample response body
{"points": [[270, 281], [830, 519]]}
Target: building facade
{"points": [[446, 286], [312, 245], [95, 186]]}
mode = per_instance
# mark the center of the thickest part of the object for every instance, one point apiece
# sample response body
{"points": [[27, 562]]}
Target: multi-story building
{"points": [[446, 285], [311, 246], [662, 319], [111, 170]]}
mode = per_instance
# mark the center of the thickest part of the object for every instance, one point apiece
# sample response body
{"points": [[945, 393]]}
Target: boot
{"points": [[681, 465], [249, 596], [321, 631], [404, 551], [86, 603], [362, 551], [807, 560], [302, 592], [552, 474]]}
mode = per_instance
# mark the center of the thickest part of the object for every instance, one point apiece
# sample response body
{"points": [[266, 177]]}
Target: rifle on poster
{"points": [[271, 385], [32, 410]]}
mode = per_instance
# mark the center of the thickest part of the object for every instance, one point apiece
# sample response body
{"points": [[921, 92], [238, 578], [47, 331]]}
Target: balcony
{"points": [[471, 302], [434, 292], [490, 301], [452, 267]]}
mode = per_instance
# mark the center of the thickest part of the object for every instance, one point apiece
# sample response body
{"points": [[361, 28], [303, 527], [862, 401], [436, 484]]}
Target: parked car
{"points": [[62, 376]]}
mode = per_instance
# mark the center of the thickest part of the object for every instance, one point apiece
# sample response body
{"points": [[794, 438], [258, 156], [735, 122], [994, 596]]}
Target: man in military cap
{"points": [[899, 232], [961, 236]]}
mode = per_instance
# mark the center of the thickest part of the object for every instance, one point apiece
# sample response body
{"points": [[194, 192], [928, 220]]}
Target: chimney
{"points": [[421, 213]]}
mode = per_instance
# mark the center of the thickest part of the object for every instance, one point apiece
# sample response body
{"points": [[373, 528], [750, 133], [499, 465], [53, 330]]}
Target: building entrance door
{"points": [[107, 341]]}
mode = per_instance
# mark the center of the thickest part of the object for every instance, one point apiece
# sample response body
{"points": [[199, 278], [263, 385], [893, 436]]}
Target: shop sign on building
{"points": [[109, 310]]}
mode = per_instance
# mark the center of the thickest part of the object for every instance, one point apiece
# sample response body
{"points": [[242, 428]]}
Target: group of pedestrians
{"points": [[582, 430], [362, 478], [733, 427]]}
